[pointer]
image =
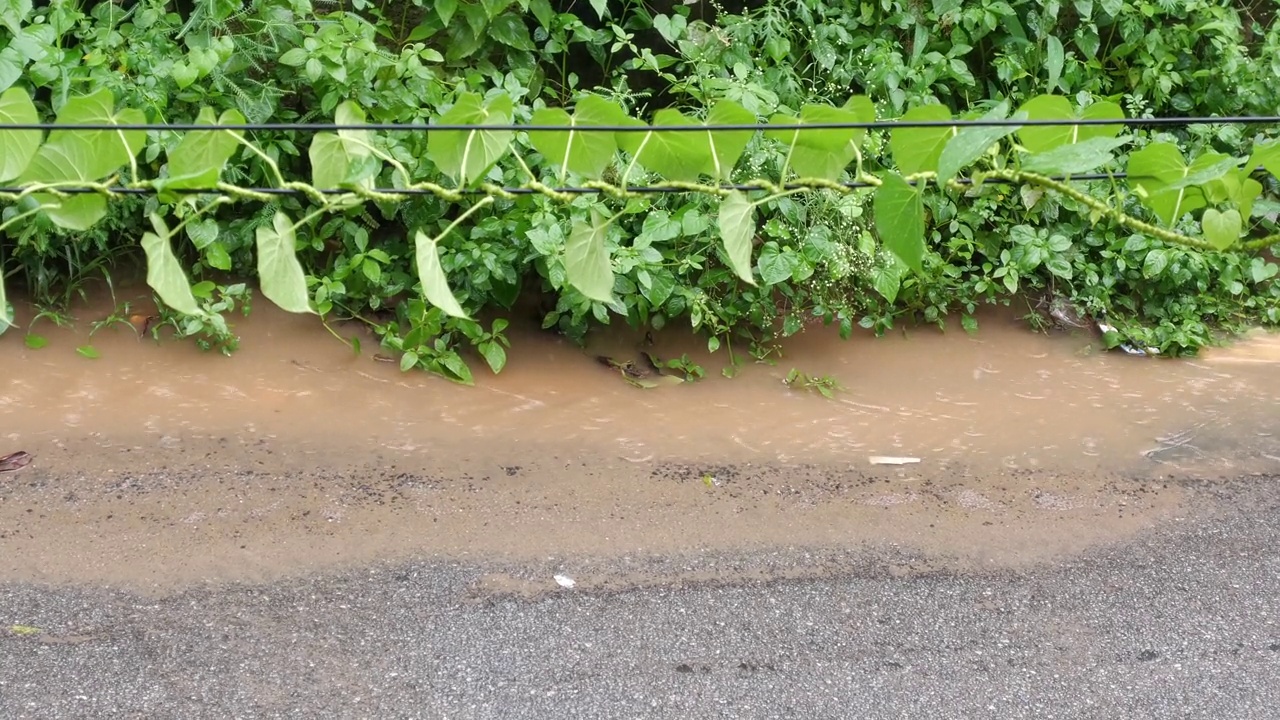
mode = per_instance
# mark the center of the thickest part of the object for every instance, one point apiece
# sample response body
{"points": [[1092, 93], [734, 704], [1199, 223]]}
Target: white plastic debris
{"points": [[892, 460], [565, 581]]}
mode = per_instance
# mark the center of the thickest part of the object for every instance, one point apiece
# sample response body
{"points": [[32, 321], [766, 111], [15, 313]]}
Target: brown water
{"points": [[157, 464]]}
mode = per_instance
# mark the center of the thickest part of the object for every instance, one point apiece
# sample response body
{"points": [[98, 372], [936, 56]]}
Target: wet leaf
{"points": [[83, 155], [466, 155], [24, 629], [972, 143], [1042, 138], [727, 145], [435, 285], [584, 152], [17, 147], [88, 351], [918, 149], [1221, 228], [1082, 157], [899, 218], [15, 461], [586, 259], [737, 232], [824, 152], [35, 342], [680, 155], [166, 275], [280, 274], [1153, 170], [198, 160], [1268, 156]]}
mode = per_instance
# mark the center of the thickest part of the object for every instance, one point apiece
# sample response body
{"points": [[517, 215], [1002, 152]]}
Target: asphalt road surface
{"points": [[1183, 622]]}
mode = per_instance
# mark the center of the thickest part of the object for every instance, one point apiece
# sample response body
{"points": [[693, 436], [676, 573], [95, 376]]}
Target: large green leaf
{"points": [[584, 152], [1153, 170], [737, 232], [586, 259], [971, 143], [1074, 158], [279, 272], [1042, 138], [435, 285], [683, 156], [198, 160], [917, 149], [1268, 156], [17, 147], [727, 145], [164, 272], [899, 216], [466, 155], [822, 152], [83, 155]]}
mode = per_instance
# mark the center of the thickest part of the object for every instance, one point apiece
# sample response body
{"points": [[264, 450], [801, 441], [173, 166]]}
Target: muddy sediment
{"points": [[157, 467]]}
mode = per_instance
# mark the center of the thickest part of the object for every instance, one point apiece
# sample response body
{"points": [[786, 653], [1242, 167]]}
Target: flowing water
{"points": [[158, 463]]}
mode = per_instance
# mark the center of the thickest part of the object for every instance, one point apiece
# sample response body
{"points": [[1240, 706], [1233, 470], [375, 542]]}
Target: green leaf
{"points": [[887, 280], [681, 156], [1153, 169], [586, 259], [198, 160], [494, 355], [35, 342], [737, 232], [1074, 158], [661, 284], [17, 147], [165, 274], [6, 310], [1155, 262], [583, 152], [917, 149], [293, 57], [1268, 156], [1221, 229], [330, 162], [343, 159], [1261, 270], [509, 29], [1042, 138], [727, 145], [1054, 59], [971, 143], [824, 152], [776, 265], [83, 155], [466, 155], [435, 285], [899, 216], [279, 272], [445, 9], [88, 351]]}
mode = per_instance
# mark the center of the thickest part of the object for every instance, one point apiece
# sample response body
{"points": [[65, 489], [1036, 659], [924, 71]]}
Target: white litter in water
{"points": [[889, 460], [565, 581]]}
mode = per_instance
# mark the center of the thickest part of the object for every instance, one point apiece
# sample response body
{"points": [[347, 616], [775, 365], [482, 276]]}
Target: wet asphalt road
{"points": [[1184, 623]]}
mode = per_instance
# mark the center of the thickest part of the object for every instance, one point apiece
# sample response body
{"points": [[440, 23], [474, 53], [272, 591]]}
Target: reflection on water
{"points": [[1004, 398]]}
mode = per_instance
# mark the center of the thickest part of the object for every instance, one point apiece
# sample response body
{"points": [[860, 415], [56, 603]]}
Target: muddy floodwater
{"points": [[158, 466]]}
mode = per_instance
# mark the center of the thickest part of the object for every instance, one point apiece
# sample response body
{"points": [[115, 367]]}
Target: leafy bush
{"points": [[818, 257]]}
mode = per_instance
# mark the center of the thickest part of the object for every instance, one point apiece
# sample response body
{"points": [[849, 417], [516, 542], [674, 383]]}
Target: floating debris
{"points": [[893, 460], [15, 461], [565, 581]]}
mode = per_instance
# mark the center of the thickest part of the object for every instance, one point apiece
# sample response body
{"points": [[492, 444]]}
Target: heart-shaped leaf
{"points": [[899, 217], [737, 232], [17, 147], [1042, 138], [586, 259], [467, 155], [917, 149], [1221, 229], [279, 272], [579, 150], [435, 285]]}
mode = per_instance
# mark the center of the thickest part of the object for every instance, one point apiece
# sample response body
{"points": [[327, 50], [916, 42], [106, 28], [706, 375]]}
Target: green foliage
{"points": [[737, 266]]}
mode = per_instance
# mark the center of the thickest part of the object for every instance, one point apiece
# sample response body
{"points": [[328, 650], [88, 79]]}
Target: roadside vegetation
{"points": [[1167, 259]]}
